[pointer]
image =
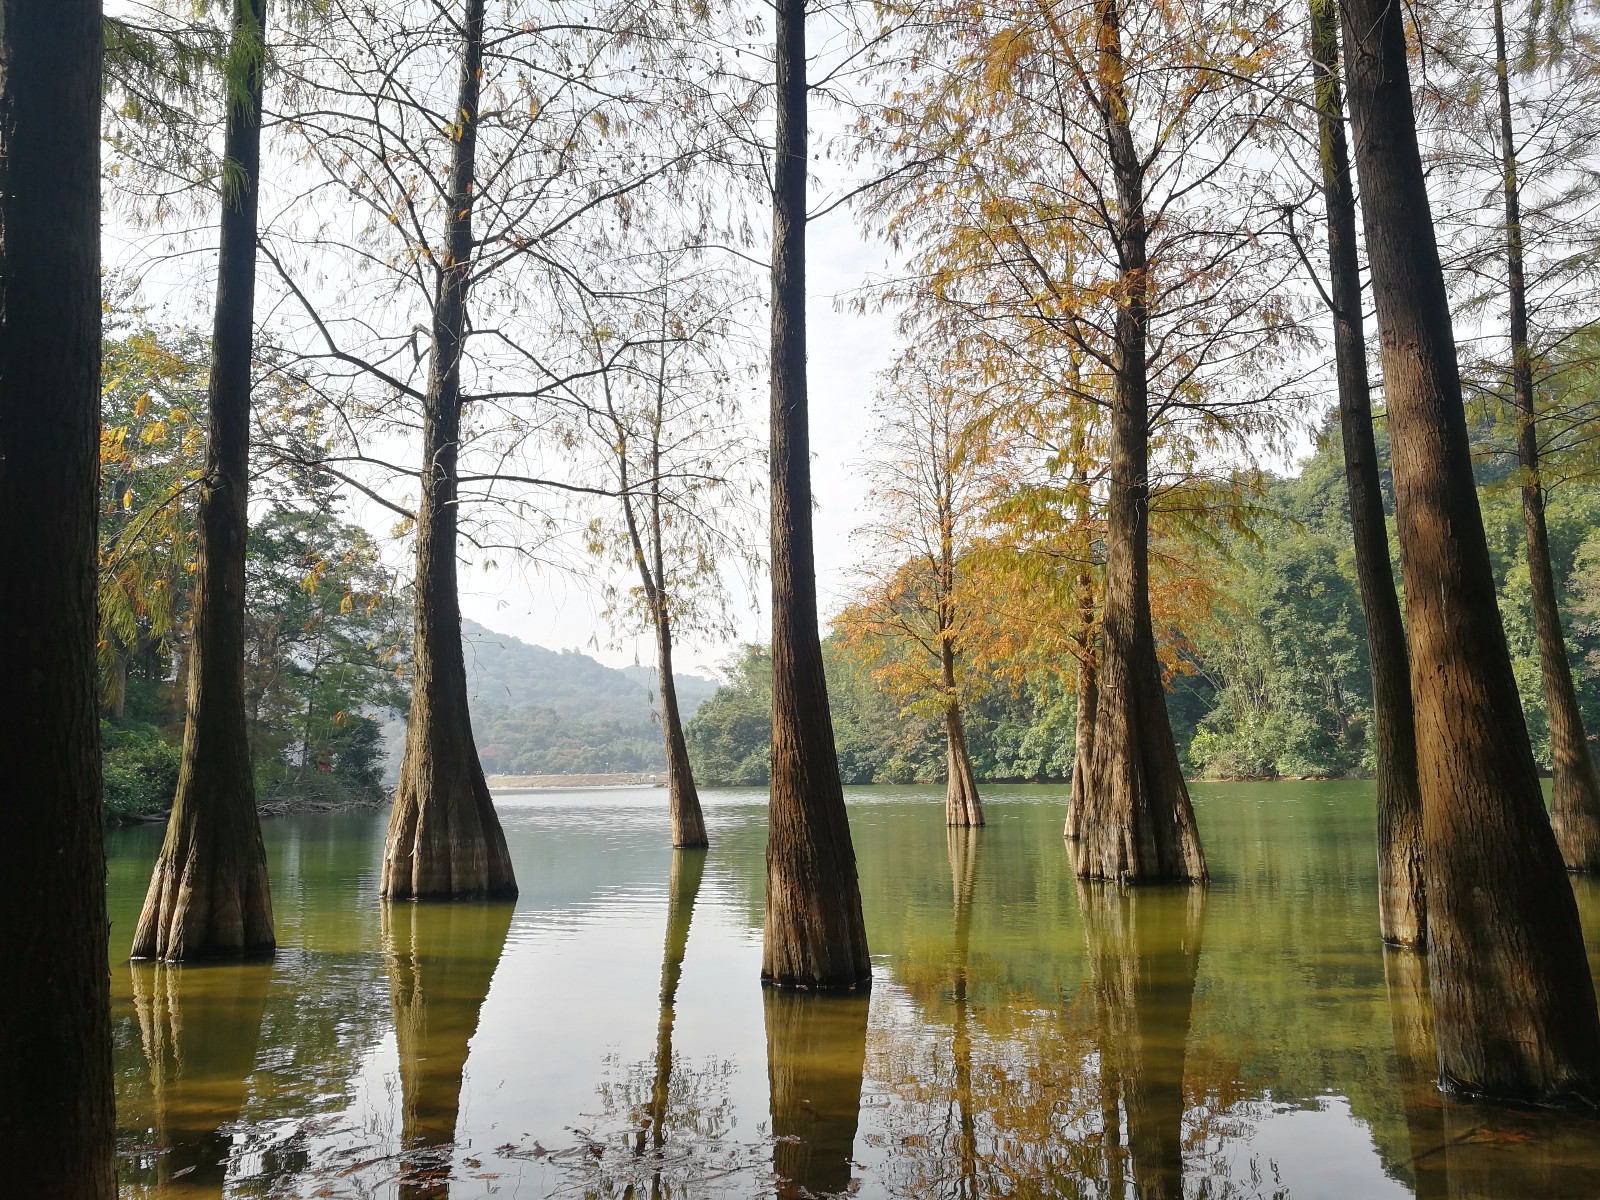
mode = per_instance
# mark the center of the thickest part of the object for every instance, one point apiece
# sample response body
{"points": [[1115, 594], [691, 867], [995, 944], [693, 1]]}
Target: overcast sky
{"points": [[846, 352]]}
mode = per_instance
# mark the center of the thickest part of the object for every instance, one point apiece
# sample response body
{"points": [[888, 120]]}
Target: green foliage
{"points": [[324, 632], [1011, 735], [140, 767], [556, 712]]}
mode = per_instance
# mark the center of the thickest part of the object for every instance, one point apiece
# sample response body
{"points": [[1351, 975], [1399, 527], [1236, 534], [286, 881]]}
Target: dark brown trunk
{"points": [[1402, 899], [962, 805], [1575, 802], [1514, 1005], [688, 866], [814, 935], [1144, 955], [683, 799], [445, 839], [442, 959], [56, 1121], [209, 895], [199, 1027], [1137, 823], [816, 1056]]}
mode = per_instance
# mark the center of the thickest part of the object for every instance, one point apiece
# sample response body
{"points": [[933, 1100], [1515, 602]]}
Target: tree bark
{"points": [[57, 1127], [1088, 687], [962, 805], [209, 896], [1575, 802], [442, 959], [1137, 824], [816, 1057], [445, 839], [1144, 956], [683, 798], [814, 934], [1402, 898], [1514, 1005], [199, 1029]]}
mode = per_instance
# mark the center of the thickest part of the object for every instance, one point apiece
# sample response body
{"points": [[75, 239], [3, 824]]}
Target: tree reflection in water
{"points": [[1463, 1151], [816, 1056], [199, 1025], [1144, 953], [441, 960]]}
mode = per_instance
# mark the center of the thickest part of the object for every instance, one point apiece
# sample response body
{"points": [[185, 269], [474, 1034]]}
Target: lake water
{"points": [[1025, 1036]]}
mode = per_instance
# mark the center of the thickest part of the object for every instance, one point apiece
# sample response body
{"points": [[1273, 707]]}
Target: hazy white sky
{"points": [[846, 352]]}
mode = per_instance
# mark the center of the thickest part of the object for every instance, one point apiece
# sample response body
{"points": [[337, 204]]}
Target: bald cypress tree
{"points": [[56, 1121], [814, 935], [209, 896], [1514, 1004]]}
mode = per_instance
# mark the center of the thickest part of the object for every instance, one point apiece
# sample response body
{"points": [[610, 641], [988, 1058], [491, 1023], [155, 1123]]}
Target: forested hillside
{"points": [[555, 712], [1268, 679]]}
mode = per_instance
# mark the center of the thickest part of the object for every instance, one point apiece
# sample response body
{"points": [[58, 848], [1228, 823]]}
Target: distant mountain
{"points": [[554, 712]]}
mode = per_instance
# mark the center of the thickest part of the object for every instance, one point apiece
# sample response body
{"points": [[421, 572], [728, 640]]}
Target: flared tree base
{"points": [[209, 897], [445, 841], [1575, 818]]}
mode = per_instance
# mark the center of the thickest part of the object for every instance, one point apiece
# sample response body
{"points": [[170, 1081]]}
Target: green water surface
{"points": [[1024, 1036]]}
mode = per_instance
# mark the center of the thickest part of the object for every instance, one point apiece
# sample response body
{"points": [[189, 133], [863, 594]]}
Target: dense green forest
{"points": [[1271, 678]]}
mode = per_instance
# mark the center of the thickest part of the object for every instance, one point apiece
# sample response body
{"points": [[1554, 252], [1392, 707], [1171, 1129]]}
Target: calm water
{"points": [[607, 1036]]}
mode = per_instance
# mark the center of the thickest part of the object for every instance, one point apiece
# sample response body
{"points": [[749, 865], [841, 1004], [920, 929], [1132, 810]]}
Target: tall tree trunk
{"points": [[1144, 956], [1137, 825], [445, 838], [962, 805], [683, 798], [1514, 1005], [442, 959], [816, 1057], [1088, 681], [56, 1120], [1575, 804], [209, 896], [814, 935], [683, 888], [199, 1030], [1402, 899]]}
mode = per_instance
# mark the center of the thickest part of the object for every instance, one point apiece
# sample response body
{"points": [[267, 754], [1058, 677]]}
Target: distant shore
{"points": [[529, 783]]}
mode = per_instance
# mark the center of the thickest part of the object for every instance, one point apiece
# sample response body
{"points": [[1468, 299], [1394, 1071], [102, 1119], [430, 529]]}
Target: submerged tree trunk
{"points": [[209, 896], [1575, 802], [1137, 823], [1402, 899], [199, 1029], [683, 888], [1144, 956], [962, 805], [816, 1057], [1514, 1005], [444, 837], [56, 1121], [442, 959], [814, 934]]}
